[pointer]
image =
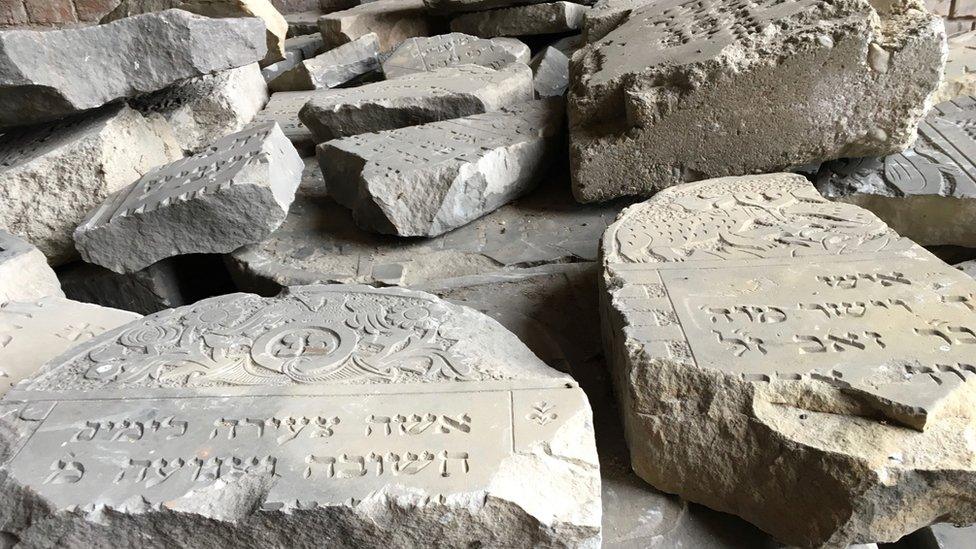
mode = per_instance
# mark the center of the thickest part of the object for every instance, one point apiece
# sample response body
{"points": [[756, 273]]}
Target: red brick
{"points": [[12, 12], [93, 10], [50, 12]]}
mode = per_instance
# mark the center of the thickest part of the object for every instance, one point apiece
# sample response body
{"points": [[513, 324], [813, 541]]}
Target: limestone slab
{"points": [[336, 415], [48, 75], [283, 108], [682, 90], [24, 272], [550, 73], [415, 99], [546, 18], [52, 175], [234, 193], [393, 21], [449, 50], [146, 291], [753, 325], [332, 68], [960, 69]]}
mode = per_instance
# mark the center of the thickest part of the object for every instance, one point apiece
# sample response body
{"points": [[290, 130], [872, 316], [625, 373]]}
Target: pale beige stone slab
{"points": [[24, 272], [393, 21]]}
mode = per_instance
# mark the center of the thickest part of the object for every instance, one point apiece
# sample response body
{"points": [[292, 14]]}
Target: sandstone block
{"points": [[332, 68], [960, 68], [24, 272], [234, 193], [393, 21], [550, 73], [415, 99], [52, 175], [548, 18], [48, 75], [283, 108], [449, 50], [752, 88]]}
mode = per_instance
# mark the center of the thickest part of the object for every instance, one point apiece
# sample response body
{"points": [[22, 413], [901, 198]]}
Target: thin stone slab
{"points": [[415, 99], [547, 18], [682, 90], [283, 108], [927, 192], [332, 68], [48, 75], [52, 175], [960, 69], [449, 50], [24, 272], [331, 415], [427, 180], [393, 21], [235, 193], [798, 332], [550, 73]]}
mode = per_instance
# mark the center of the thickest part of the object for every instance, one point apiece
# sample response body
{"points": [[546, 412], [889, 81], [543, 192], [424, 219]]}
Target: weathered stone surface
{"points": [[308, 45], [449, 50], [47, 75], [454, 6], [283, 108], [274, 442], [550, 70], [940, 536], [332, 68], [927, 192], [968, 267], [52, 175], [146, 291], [960, 69], [393, 21], [303, 23], [24, 272], [751, 87], [754, 326], [429, 179], [548, 18], [569, 44], [415, 99], [35, 331], [204, 109], [274, 70], [235, 193]]}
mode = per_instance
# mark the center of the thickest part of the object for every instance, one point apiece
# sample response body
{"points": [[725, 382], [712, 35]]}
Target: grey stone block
{"points": [[393, 21], [449, 50], [550, 73], [283, 108], [546, 18], [145, 291], [24, 272], [332, 68]]}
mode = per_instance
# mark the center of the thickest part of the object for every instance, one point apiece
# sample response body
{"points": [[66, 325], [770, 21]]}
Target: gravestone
{"points": [[427, 180], [550, 73], [449, 50], [24, 272], [415, 99], [234, 193], [753, 325], [283, 108], [393, 21], [546, 18], [335, 415], [332, 68], [681, 90]]}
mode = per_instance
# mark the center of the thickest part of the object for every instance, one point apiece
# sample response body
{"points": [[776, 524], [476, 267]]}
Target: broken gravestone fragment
{"points": [[234, 193], [429, 179], [393, 21], [245, 418], [415, 99], [449, 50], [927, 192], [550, 73], [48, 75], [801, 333], [547, 18], [24, 272], [332, 68], [283, 108], [752, 87]]}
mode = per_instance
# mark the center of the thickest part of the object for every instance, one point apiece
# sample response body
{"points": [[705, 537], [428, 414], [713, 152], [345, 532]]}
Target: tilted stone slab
{"points": [[51, 176], [283, 108], [234, 193], [332, 68], [429, 179], [48, 75], [449, 50], [927, 192], [550, 73], [806, 340], [415, 99], [547, 18], [393, 21], [24, 272], [682, 90], [336, 415]]}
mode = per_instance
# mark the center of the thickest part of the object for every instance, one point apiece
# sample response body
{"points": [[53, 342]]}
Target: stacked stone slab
{"points": [[449, 50], [547, 18], [283, 108], [332, 68], [48, 75], [960, 68], [234, 193], [393, 21], [681, 90], [296, 50], [24, 272]]}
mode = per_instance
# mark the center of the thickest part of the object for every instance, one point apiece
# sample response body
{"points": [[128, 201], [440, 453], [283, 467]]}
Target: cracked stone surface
{"points": [[393, 21], [753, 87], [52, 175], [550, 73], [24, 272], [546, 18], [234, 193], [332, 68], [415, 99], [778, 355], [960, 68], [47, 75], [252, 429], [449, 50], [283, 108], [927, 192]]}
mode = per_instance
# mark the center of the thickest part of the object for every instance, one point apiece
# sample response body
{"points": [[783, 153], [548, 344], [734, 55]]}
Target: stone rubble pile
{"points": [[461, 328]]}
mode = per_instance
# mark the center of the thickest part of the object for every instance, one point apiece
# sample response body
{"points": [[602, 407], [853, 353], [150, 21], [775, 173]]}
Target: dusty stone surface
{"points": [[393, 21], [415, 99], [547, 18], [448, 50], [52, 175], [550, 73], [927, 192], [454, 6], [48, 75], [24, 272], [283, 108], [291, 59], [205, 109], [651, 106], [429, 179], [332, 68], [234, 193], [309, 45], [303, 23], [146, 291], [753, 325], [462, 420], [960, 69], [968, 267]]}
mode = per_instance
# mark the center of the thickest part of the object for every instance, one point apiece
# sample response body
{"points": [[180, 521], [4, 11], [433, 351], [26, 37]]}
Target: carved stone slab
{"points": [[449, 50], [416, 99], [24, 272], [393, 21], [234, 193], [333, 414], [546, 18], [283, 108], [332, 68], [639, 123], [550, 70], [927, 192], [960, 67], [798, 332]]}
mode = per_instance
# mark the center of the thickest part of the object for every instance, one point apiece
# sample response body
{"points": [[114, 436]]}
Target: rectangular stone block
{"points": [[332, 68], [24, 272], [550, 73], [450, 50], [546, 18], [393, 21]]}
